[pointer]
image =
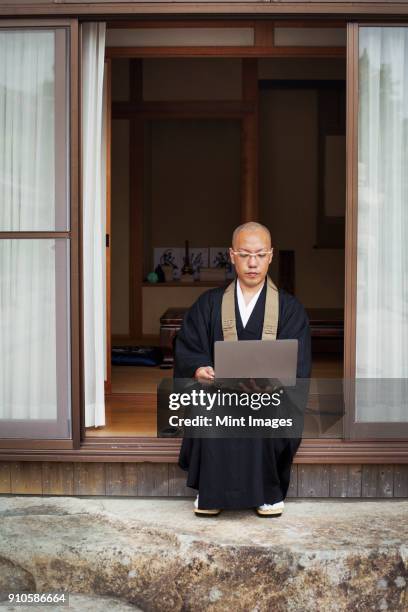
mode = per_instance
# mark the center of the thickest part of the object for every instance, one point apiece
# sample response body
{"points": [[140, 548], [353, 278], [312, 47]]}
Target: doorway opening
{"points": [[195, 144]]}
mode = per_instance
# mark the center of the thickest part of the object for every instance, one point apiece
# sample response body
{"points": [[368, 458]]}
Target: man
{"points": [[240, 473]]}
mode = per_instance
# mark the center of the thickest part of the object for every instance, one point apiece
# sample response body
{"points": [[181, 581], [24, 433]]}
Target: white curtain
{"points": [[27, 115], [382, 270], [94, 215], [28, 377]]}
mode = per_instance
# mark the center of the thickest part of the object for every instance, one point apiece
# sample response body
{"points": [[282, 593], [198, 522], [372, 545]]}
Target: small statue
{"points": [[187, 272]]}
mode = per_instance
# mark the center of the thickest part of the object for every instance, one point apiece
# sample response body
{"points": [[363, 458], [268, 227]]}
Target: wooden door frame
{"points": [[152, 449]]}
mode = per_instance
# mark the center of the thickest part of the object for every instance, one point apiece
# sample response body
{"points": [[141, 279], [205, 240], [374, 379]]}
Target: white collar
{"points": [[245, 310]]}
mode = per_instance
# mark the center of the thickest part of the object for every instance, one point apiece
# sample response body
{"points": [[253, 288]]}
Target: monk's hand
{"points": [[204, 374]]}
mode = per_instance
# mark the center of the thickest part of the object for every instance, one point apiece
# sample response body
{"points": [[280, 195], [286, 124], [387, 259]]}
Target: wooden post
{"points": [[249, 143], [136, 144]]}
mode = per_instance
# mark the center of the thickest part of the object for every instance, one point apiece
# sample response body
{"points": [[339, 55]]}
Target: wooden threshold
{"points": [[166, 450]]}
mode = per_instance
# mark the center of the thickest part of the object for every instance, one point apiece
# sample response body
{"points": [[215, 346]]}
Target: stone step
{"points": [[155, 555]]}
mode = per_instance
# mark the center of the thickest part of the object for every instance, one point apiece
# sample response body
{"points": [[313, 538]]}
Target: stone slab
{"points": [[154, 554]]}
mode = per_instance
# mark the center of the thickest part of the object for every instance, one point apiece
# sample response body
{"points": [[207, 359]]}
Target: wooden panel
{"points": [[385, 487], [6, 2], [153, 479], [264, 33], [338, 481], [185, 23], [121, 479], [250, 80], [5, 478], [167, 479], [354, 481], [89, 479], [58, 478], [369, 478], [293, 485], [345, 481], [313, 480], [177, 482], [401, 481], [228, 51], [317, 8], [26, 478]]}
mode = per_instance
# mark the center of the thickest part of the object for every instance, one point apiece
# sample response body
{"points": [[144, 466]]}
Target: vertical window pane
{"points": [[34, 338], [382, 267], [33, 127]]}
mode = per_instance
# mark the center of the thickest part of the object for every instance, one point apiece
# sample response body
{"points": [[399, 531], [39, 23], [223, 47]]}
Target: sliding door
{"points": [[36, 232], [377, 234]]}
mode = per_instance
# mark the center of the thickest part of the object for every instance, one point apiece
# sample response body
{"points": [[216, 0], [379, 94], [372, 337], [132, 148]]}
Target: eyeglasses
{"points": [[245, 255]]}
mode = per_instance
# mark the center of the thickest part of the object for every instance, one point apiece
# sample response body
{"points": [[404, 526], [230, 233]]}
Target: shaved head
{"points": [[250, 226]]}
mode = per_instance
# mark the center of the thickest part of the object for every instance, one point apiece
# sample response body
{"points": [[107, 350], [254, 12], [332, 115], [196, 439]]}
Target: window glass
{"points": [[34, 338], [382, 262], [33, 127]]}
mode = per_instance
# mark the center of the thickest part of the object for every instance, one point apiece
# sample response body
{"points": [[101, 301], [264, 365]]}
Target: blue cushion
{"points": [[136, 355]]}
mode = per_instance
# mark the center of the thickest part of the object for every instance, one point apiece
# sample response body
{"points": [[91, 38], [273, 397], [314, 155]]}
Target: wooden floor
{"points": [[128, 416], [131, 409], [327, 366], [131, 379]]}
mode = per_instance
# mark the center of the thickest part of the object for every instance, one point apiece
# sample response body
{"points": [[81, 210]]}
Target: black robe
{"points": [[239, 472]]}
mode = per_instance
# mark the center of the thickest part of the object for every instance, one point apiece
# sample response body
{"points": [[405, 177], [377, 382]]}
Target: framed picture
{"points": [[219, 258], [198, 259], [169, 256]]}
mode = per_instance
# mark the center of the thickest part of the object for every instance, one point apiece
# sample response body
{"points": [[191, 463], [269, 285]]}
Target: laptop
{"points": [[257, 359]]}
